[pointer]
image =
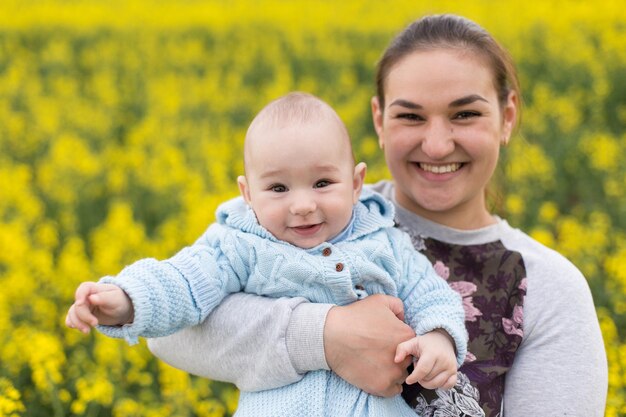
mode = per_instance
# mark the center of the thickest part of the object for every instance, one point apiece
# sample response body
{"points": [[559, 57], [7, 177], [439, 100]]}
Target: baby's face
{"points": [[301, 182]]}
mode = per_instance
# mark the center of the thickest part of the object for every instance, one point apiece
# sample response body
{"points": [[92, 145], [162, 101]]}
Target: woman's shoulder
{"points": [[383, 187], [552, 279], [535, 254], [558, 301]]}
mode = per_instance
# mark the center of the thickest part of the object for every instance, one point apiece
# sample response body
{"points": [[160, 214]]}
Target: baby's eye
{"points": [[278, 188], [322, 184], [468, 114]]}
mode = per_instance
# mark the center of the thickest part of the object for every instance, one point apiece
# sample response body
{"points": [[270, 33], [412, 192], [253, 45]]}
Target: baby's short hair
{"points": [[294, 108]]}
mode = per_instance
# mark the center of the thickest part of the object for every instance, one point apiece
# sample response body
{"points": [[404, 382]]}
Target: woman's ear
{"points": [[244, 189], [377, 118], [359, 177], [509, 117]]}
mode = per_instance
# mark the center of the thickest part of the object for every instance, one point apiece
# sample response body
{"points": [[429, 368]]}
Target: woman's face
{"points": [[441, 130]]}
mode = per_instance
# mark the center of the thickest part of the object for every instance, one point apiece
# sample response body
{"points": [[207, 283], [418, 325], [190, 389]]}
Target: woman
{"points": [[447, 99]]}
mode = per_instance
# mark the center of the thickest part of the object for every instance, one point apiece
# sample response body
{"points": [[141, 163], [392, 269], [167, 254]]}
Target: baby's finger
{"points": [[424, 368], [441, 380], [84, 315], [442, 365], [412, 379], [68, 321], [106, 295], [74, 322], [451, 382], [83, 291], [403, 350]]}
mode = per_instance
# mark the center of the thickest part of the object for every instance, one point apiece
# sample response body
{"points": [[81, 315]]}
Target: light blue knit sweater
{"points": [[237, 254]]}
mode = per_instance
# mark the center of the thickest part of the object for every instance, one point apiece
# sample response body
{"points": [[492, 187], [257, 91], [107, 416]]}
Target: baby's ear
{"points": [[244, 189], [357, 182]]}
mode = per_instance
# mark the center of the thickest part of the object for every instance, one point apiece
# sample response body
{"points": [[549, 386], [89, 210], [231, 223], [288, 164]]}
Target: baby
{"points": [[303, 227]]}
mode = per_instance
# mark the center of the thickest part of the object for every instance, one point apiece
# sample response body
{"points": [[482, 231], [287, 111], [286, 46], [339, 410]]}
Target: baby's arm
{"points": [[96, 303], [436, 314], [166, 296], [435, 360]]}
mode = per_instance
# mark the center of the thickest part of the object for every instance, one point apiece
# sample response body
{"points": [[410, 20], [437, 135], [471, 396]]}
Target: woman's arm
{"points": [[261, 343], [244, 341], [560, 367]]}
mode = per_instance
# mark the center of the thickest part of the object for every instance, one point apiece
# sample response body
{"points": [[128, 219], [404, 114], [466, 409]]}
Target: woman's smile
{"points": [[439, 168]]}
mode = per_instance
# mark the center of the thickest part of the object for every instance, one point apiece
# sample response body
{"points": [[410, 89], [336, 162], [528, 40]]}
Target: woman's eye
{"points": [[410, 117], [278, 188], [466, 115], [322, 184]]}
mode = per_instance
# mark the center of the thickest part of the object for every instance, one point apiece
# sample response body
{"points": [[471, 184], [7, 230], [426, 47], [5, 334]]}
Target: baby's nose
{"points": [[302, 205]]}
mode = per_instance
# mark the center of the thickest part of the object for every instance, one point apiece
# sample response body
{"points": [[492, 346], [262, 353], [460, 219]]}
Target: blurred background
{"points": [[121, 129]]}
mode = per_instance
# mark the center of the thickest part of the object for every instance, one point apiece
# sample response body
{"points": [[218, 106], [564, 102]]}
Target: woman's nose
{"points": [[438, 141]]}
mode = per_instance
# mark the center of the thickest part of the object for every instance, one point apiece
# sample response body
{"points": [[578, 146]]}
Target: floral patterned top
{"points": [[491, 280], [521, 301]]}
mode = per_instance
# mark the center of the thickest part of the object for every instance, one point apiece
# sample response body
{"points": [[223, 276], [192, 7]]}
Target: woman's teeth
{"points": [[440, 169]]}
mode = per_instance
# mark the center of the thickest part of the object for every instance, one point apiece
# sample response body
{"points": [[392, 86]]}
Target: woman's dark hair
{"points": [[448, 31]]}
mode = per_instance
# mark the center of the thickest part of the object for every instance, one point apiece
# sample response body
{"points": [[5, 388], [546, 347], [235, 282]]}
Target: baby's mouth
{"points": [[307, 229]]}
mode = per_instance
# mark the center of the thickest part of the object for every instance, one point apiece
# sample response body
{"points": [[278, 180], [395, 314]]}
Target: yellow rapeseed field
{"points": [[121, 124]]}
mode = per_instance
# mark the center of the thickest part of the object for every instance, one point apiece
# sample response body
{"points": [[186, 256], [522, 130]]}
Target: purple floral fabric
{"points": [[492, 283]]}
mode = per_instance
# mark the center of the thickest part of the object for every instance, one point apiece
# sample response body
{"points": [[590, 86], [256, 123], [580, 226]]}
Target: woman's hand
{"points": [[360, 342]]}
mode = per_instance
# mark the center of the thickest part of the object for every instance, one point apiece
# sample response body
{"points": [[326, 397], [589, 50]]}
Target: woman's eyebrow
{"points": [[406, 103], [459, 102]]}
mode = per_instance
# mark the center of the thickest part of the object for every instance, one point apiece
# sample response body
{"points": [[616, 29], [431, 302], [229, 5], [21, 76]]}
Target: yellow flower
{"points": [[514, 204], [95, 388], [604, 152], [614, 265], [543, 236], [529, 163], [548, 212], [70, 161], [10, 400], [210, 408], [231, 398]]}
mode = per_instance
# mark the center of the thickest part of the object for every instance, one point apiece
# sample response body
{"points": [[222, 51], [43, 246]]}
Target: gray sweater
{"points": [[559, 367]]}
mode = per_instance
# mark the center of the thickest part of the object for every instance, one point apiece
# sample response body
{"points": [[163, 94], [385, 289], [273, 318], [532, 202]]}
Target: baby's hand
{"points": [[435, 360], [95, 304]]}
